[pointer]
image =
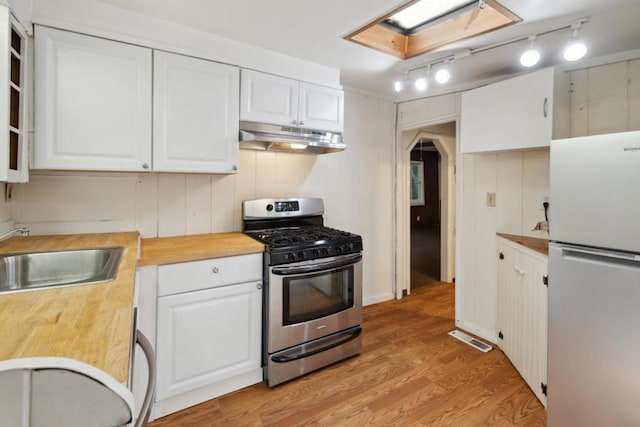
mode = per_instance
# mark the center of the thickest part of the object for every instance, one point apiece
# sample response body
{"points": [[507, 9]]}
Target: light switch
{"points": [[491, 200]]}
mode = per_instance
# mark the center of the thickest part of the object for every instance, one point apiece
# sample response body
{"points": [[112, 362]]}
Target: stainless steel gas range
{"points": [[313, 287]]}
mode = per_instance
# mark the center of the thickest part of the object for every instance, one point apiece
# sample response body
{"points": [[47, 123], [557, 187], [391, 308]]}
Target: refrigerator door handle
{"points": [[605, 256]]}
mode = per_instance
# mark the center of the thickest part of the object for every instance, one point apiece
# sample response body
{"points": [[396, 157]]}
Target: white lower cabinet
{"points": [[209, 330], [522, 312]]}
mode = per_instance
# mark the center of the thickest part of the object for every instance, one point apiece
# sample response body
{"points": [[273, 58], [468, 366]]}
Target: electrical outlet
{"points": [[544, 198], [491, 200], [418, 218]]}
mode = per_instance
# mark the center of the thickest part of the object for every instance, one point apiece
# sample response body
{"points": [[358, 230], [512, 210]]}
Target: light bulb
{"points": [[530, 58], [398, 85], [575, 50], [443, 75], [421, 84]]}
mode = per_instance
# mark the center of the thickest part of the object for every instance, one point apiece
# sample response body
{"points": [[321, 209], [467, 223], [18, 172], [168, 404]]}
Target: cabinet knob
{"points": [[215, 270], [145, 166], [301, 122], [294, 122], [235, 168], [259, 285]]}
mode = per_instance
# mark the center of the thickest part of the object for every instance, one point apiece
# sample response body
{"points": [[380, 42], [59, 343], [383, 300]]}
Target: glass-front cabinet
{"points": [[14, 139]]}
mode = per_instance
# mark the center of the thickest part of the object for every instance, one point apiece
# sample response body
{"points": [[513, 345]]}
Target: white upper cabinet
{"points": [[268, 99], [195, 115], [14, 162], [93, 103], [320, 107], [517, 113], [265, 98]]}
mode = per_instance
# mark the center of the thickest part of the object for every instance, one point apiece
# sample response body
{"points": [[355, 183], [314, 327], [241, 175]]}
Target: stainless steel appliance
{"points": [[594, 282], [313, 286], [266, 137]]}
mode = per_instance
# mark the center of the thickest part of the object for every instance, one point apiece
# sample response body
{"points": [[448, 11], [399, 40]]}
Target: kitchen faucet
{"points": [[24, 231]]}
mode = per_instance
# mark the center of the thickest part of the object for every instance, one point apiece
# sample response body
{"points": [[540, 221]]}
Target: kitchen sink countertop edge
{"points": [[91, 323], [170, 250]]}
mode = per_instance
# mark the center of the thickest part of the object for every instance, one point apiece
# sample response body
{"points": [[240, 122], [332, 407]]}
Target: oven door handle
{"points": [[313, 268], [350, 336]]}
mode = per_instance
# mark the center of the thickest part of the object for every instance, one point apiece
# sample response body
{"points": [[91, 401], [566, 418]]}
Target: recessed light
{"points": [[421, 84]]}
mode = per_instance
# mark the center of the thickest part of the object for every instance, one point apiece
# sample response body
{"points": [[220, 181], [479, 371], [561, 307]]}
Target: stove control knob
{"points": [[325, 251], [300, 255], [269, 207], [291, 256], [350, 246], [316, 252], [339, 249]]}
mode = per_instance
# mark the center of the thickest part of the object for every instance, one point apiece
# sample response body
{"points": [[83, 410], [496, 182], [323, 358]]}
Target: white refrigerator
{"points": [[594, 282]]}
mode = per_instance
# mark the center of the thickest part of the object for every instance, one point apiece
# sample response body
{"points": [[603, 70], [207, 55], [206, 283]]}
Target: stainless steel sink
{"points": [[37, 270]]}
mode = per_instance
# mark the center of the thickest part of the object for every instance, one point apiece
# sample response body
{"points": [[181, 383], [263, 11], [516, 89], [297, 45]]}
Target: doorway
{"points": [[425, 214], [443, 138]]}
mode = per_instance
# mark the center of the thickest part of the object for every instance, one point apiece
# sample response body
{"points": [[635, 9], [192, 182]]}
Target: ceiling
{"points": [[313, 30]]}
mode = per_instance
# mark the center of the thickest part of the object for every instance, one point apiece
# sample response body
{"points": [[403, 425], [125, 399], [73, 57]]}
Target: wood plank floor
{"points": [[410, 373]]}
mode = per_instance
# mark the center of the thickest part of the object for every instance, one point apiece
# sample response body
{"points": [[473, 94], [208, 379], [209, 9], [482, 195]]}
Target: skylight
{"points": [[425, 11], [425, 25]]}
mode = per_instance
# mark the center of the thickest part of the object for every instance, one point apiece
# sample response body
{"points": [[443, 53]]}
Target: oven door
{"points": [[313, 299]]}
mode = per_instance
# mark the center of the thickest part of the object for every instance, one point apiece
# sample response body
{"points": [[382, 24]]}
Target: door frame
{"points": [[406, 139]]}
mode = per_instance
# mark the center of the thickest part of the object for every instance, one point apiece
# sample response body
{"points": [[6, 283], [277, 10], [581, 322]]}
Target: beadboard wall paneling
{"points": [[519, 179], [53, 203]]}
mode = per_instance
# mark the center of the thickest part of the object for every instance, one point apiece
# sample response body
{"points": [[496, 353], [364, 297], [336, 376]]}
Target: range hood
{"points": [[265, 137]]}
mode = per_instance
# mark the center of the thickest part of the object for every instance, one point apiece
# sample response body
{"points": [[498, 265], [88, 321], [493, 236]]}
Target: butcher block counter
{"points": [[91, 323], [169, 250], [538, 245]]}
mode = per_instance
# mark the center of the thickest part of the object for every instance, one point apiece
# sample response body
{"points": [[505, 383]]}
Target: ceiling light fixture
{"points": [[442, 76], [575, 48], [421, 84], [531, 56]]}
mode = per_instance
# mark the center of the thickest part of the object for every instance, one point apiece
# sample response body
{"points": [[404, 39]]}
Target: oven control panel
{"points": [[285, 257], [284, 206]]}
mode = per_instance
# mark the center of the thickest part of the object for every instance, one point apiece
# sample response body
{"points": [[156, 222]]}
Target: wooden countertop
{"points": [[91, 323], [538, 245], [169, 250]]}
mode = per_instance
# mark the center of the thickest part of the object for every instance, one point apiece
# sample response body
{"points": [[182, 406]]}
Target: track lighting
{"points": [[575, 48], [574, 51], [531, 56], [421, 84], [442, 76]]}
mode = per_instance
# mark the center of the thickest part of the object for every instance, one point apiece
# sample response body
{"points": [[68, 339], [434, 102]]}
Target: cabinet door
{"points": [[321, 108], [14, 165], [93, 103], [207, 336], [522, 315], [268, 99], [512, 114], [195, 115]]}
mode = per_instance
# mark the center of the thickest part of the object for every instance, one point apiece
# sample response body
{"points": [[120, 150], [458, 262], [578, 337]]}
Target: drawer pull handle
{"points": [[215, 270]]}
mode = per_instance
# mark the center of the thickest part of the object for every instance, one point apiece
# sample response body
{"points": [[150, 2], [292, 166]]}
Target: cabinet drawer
{"points": [[210, 273]]}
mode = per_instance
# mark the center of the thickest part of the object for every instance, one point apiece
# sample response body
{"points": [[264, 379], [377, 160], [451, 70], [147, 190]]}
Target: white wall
{"points": [[520, 179], [356, 184]]}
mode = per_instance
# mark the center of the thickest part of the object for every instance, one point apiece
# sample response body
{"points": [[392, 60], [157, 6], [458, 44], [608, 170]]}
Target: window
{"points": [[417, 183]]}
